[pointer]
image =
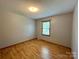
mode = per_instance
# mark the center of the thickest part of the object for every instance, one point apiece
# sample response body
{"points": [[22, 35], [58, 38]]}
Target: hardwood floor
{"points": [[35, 49]]}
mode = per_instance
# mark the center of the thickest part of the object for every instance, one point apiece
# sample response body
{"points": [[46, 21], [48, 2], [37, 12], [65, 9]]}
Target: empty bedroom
{"points": [[38, 29]]}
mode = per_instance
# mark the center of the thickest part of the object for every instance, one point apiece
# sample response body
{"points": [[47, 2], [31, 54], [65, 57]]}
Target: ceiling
{"points": [[46, 7]]}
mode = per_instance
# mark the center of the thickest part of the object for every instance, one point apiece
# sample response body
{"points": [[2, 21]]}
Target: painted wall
{"points": [[16, 28], [75, 33], [61, 29]]}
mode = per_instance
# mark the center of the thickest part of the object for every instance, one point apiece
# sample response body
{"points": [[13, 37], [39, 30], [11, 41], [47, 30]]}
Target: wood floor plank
{"points": [[36, 49]]}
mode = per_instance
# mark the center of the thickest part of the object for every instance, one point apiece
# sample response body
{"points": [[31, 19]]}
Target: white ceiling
{"points": [[46, 7]]}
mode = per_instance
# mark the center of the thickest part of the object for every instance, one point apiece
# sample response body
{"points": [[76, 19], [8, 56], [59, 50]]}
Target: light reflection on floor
{"points": [[45, 53]]}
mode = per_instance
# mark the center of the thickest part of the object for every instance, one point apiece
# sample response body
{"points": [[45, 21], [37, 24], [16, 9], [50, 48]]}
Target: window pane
{"points": [[46, 27], [46, 24], [46, 31]]}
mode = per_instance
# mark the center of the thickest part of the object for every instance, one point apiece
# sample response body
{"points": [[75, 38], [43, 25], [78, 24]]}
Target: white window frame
{"points": [[49, 27]]}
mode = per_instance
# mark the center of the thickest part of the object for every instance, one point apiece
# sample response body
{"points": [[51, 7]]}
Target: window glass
{"points": [[46, 28]]}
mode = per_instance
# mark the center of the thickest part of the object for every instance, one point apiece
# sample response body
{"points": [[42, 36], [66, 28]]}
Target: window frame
{"points": [[42, 27]]}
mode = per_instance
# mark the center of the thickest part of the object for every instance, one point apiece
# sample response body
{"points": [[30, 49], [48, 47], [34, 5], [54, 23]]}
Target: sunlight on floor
{"points": [[45, 53]]}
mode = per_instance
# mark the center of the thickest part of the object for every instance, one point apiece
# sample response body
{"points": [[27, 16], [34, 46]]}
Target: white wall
{"points": [[15, 28], [61, 29], [75, 33]]}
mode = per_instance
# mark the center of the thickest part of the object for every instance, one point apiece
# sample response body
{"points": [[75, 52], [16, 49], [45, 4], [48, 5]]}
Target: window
{"points": [[46, 28]]}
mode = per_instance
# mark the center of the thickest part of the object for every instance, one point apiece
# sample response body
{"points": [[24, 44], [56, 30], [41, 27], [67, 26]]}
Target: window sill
{"points": [[45, 35]]}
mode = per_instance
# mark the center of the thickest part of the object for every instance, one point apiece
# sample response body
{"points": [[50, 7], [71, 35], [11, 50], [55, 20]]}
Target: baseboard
{"points": [[17, 43], [31, 40], [54, 43]]}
